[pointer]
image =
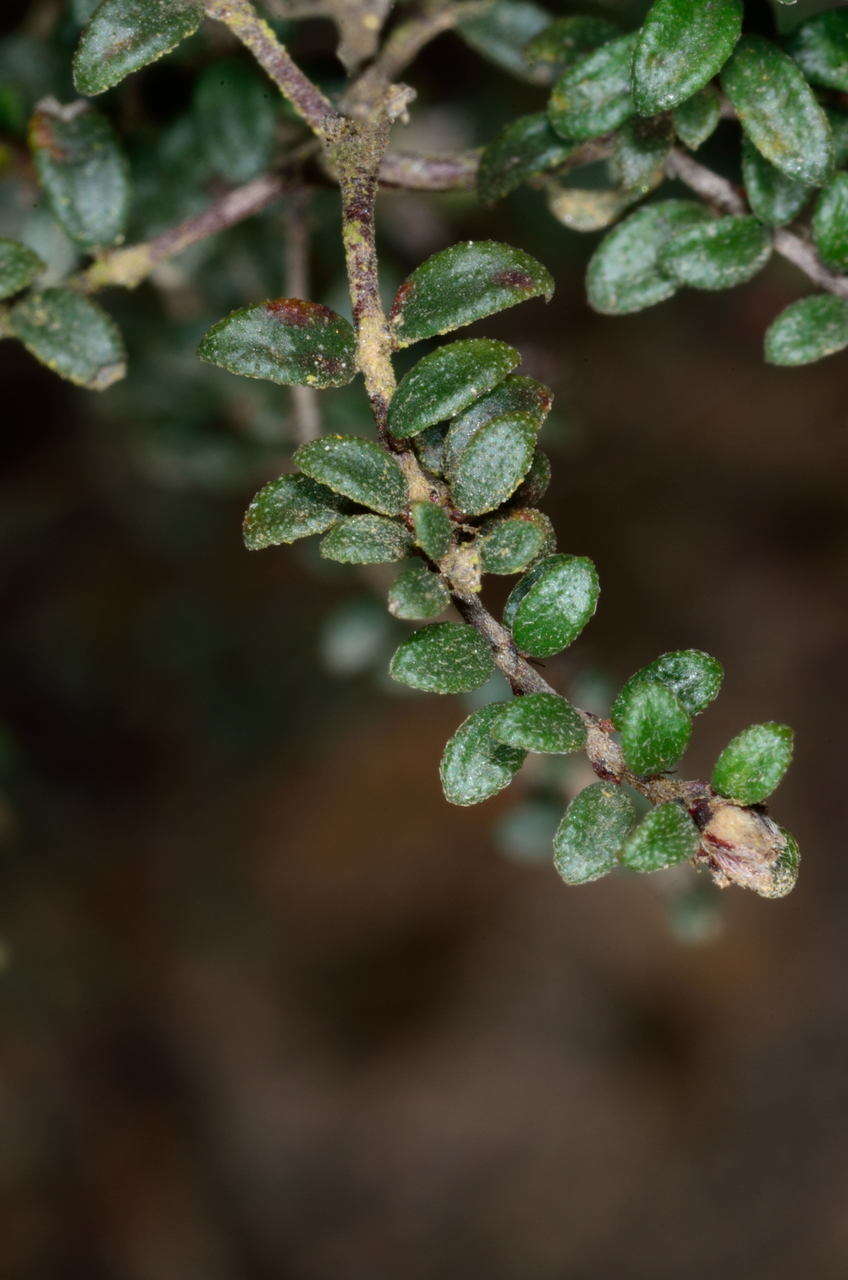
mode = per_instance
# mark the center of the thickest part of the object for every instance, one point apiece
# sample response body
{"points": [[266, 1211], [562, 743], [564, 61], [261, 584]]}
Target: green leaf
{"points": [[82, 169], [448, 657], [563, 41], [432, 528], [509, 545], [357, 468], [366, 540], [592, 96], [718, 254], [535, 484], [641, 150], [493, 463], [808, 330], [429, 446], [681, 46], [830, 223], [236, 113], [125, 35], [447, 381], [773, 197], [502, 30], [474, 766], [286, 341], [550, 606], [462, 284], [418, 594], [696, 119], [540, 722], [72, 335], [694, 677], [516, 394], [654, 726], [624, 273], [590, 209], [784, 872], [666, 836], [753, 763], [289, 508], [820, 47], [526, 147], [778, 110], [594, 827], [838, 121], [19, 266]]}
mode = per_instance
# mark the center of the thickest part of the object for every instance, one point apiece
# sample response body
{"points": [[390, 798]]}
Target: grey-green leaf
{"points": [[429, 445], [550, 606], [535, 484], [418, 594], [289, 508], [446, 381], [624, 274], [774, 197], [654, 726], [752, 765], [83, 171], [501, 31], [830, 223], [820, 47], [72, 335], [526, 147], [592, 831], [125, 35], [19, 266], [682, 45], [666, 836], [236, 113], [641, 150], [563, 41], [448, 657], [693, 676], [432, 528], [717, 254], [511, 544], [366, 539], [593, 96], [516, 394], [286, 341], [696, 119], [474, 766], [587, 209], [493, 463], [808, 330], [357, 468], [540, 722]]}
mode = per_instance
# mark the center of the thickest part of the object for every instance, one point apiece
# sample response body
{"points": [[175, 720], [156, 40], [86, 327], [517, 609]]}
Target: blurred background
{"points": [[268, 1006]]}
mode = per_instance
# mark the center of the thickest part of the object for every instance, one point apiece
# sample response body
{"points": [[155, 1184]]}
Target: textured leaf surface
{"points": [[526, 147], [641, 150], [357, 468], [717, 254], [447, 381], [681, 46], [125, 35], [624, 273], [696, 119], [429, 445], [535, 484], [808, 330], [236, 113], [448, 657], [516, 394], [753, 763], [550, 606], [820, 47], [366, 540], [19, 266], [653, 724], [82, 169], [432, 529], [287, 341], [541, 722], [72, 335], [666, 836], [501, 32], [418, 594], [594, 827], [493, 463], [474, 766], [509, 545], [773, 196], [462, 284], [778, 110], [564, 40], [694, 677], [593, 95], [289, 508], [784, 872], [830, 223]]}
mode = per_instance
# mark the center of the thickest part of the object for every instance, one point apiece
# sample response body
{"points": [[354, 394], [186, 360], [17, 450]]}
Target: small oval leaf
{"points": [[624, 273], [820, 47], [474, 766], [550, 606], [446, 381], [830, 223], [516, 394], [357, 468], [236, 111], [448, 657], [696, 119], [366, 540], [287, 341], [511, 544], [289, 508], [808, 330], [527, 146], [717, 254], [563, 41], [654, 726], [82, 169], [752, 765], [641, 150], [72, 335], [19, 266], [125, 35], [666, 836], [418, 594], [501, 32], [432, 528], [540, 722], [493, 463], [681, 46], [694, 677], [592, 831], [592, 96], [774, 197]]}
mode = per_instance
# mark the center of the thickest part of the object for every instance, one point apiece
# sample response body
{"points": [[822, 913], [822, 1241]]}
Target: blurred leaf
{"points": [[594, 827], [624, 273], [418, 594], [432, 528], [446, 381], [526, 832], [696, 119], [462, 284], [830, 223], [515, 395], [838, 121], [448, 657], [355, 637], [125, 35], [717, 254], [83, 171], [357, 468], [550, 606], [752, 765], [236, 110], [19, 266], [592, 96], [681, 46], [72, 335], [526, 147], [808, 330], [641, 150], [773, 197], [474, 766], [535, 484], [511, 544], [654, 726], [666, 836], [540, 722], [694, 677], [501, 32], [778, 110], [366, 540], [289, 508], [287, 341], [493, 463], [590, 209], [820, 47], [563, 41]]}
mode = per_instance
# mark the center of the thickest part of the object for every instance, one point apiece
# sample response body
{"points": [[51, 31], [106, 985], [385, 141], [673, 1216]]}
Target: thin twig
{"points": [[305, 412]]}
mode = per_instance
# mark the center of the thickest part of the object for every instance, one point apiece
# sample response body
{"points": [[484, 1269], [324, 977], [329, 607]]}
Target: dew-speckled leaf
{"points": [[235, 109], [493, 463], [19, 266], [681, 46], [536, 483], [448, 380], [550, 606], [474, 765], [527, 146], [586, 209], [774, 197], [511, 544], [366, 539], [717, 254], [654, 725], [72, 335], [357, 468], [516, 394], [641, 150], [500, 32], [448, 657], [432, 528], [286, 340], [592, 96], [564, 40], [664, 837], [779, 111], [289, 508], [830, 223], [624, 273], [696, 119], [418, 594], [540, 722], [820, 47], [593, 829], [753, 763], [462, 284], [808, 330], [125, 35], [783, 873], [82, 170], [693, 676]]}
